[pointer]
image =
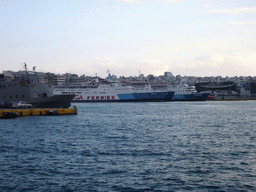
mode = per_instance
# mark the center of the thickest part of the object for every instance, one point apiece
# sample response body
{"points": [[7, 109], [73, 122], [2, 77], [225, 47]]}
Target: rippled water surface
{"points": [[172, 146]]}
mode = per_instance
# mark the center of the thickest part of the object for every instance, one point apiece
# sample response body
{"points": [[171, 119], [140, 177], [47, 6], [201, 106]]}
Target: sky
{"points": [[129, 37]]}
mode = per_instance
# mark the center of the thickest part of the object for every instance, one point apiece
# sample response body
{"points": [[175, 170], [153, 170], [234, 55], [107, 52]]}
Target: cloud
{"points": [[243, 23], [235, 11], [172, 1], [152, 64], [110, 62], [208, 5], [140, 1], [235, 64], [3, 3], [53, 69], [127, 1]]}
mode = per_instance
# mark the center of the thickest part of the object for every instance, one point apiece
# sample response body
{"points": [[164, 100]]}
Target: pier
{"points": [[9, 113]]}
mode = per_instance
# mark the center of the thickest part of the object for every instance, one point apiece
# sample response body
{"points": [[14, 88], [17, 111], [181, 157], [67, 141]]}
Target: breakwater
{"points": [[9, 113]]}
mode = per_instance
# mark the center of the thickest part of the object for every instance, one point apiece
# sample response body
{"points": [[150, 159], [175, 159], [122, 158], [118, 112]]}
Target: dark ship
{"points": [[29, 87]]}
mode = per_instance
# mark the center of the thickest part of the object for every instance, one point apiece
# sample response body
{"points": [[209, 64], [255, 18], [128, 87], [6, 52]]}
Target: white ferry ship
{"points": [[184, 92], [107, 91]]}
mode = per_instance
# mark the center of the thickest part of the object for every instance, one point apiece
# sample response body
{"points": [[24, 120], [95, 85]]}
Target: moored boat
{"points": [[108, 91], [210, 98], [29, 87], [184, 92], [9, 115]]}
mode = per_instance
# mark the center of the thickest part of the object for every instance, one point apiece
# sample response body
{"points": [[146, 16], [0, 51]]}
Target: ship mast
{"points": [[25, 66]]}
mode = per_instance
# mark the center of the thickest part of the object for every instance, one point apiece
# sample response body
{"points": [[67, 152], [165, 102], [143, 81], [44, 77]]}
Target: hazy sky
{"points": [[186, 37]]}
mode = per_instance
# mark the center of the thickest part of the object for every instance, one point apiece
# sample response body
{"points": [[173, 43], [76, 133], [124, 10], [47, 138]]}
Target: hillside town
{"points": [[230, 87]]}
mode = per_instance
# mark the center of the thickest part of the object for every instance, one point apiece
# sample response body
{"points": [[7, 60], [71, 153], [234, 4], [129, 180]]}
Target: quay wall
{"points": [[40, 112]]}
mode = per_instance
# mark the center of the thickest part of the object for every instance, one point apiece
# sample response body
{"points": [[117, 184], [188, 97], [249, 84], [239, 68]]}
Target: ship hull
{"points": [[56, 101], [131, 97], [190, 97], [40, 95]]}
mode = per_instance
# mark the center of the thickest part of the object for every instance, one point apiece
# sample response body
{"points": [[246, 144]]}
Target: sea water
{"points": [[163, 146]]}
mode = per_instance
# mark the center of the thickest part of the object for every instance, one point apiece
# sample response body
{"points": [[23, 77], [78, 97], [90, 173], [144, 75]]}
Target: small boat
{"points": [[210, 98], [52, 112], [9, 115]]}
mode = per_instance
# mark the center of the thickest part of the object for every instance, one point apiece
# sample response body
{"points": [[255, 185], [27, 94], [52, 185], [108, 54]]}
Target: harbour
{"points": [[128, 96], [149, 146]]}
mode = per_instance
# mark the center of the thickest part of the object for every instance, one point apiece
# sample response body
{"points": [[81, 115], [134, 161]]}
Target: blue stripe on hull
{"points": [[154, 96], [190, 97], [125, 96], [149, 95]]}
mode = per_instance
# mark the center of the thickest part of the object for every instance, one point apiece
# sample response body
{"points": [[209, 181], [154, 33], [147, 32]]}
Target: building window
{"points": [[17, 96], [10, 97], [23, 96]]}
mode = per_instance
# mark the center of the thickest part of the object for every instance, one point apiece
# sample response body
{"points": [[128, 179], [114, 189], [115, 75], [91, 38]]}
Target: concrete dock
{"points": [[37, 112]]}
